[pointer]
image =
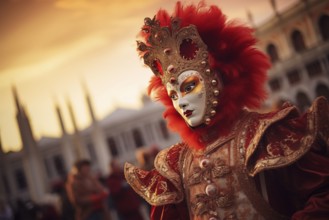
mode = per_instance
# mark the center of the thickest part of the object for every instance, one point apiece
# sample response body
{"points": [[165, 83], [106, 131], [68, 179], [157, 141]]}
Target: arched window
{"points": [[303, 102], [293, 77], [272, 52], [275, 84], [314, 69], [138, 138], [324, 27], [322, 90], [298, 41]]}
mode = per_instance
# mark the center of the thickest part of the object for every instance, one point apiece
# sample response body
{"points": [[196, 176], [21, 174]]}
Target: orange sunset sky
{"points": [[49, 47]]}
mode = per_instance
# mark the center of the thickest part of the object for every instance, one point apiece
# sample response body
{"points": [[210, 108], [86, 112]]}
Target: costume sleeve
{"points": [[309, 176], [162, 185], [304, 178], [301, 190], [280, 139]]}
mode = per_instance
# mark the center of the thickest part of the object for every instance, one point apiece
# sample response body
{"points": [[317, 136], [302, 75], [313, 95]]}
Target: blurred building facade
{"points": [[32, 172], [297, 42]]}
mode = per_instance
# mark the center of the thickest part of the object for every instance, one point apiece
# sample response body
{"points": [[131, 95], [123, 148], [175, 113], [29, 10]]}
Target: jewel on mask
{"points": [[172, 80], [214, 82], [212, 112], [207, 121], [167, 51], [171, 68], [208, 71], [214, 103], [204, 63], [216, 92]]}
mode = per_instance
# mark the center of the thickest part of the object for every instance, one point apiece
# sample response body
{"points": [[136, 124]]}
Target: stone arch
{"points": [[322, 90], [272, 51], [303, 101], [297, 40]]}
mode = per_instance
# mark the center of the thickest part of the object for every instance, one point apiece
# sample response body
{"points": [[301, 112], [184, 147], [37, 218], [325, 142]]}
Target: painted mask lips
{"points": [[188, 113]]}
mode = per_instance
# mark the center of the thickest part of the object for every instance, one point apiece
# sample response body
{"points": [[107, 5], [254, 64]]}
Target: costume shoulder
{"points": [[161, 185], [280, 138]]}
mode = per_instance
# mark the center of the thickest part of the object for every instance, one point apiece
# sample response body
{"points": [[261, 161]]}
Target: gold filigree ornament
{"points": [[210, 203], [215, 169], [169, 51]]}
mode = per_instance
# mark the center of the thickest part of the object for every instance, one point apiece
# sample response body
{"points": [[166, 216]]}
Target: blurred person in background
{"points": [[122, 197], [86, 193], [6, 212], [145, 157]]}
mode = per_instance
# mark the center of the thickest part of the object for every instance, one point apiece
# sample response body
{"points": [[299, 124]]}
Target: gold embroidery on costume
{"points": [[215, 169], [209, 180], [153, 187], [210, 203]]}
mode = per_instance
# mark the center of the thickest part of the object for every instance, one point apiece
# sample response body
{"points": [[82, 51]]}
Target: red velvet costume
{"points": [[238, 164]]}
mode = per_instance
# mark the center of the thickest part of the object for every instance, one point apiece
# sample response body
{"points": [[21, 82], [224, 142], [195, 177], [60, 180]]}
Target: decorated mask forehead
{"points": [[169, 52], [175, 85]]}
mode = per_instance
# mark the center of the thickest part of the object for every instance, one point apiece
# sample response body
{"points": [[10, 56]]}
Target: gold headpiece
{"points": [[169, 52]]}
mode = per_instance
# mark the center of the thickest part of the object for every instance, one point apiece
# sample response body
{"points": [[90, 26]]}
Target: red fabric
{"points": [[301, 189], [170, 212], [281, 138], [124, 198]]}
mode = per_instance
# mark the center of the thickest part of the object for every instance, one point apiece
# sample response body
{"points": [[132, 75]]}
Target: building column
{"points": [[102, 153]]}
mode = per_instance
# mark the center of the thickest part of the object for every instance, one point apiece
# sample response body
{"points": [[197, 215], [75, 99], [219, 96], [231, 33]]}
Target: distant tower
{"points": [[32, 160], [98, 137], [78, 144], [251, 19], [275, 8], [3, 172], [66, 145]]}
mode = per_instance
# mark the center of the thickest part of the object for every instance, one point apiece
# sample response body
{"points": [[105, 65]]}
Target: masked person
{"points": [[233, 163]]}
